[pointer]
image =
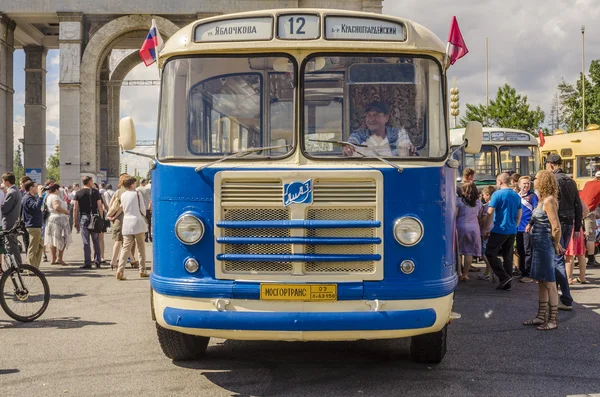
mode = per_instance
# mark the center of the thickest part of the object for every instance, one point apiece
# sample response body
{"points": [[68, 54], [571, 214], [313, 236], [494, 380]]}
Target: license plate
{"points": [[298, 292]]}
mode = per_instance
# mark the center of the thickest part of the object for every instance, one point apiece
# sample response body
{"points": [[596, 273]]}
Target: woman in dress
{"points": [[545, 242], [134, 227], [58, 231], [467, 227]]}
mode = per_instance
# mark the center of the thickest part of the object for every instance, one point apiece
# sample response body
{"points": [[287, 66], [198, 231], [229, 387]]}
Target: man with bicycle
{"points": [[11, 213]]}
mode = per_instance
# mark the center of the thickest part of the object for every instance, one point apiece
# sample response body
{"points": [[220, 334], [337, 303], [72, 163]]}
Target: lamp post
{"points": [[583, 77]]}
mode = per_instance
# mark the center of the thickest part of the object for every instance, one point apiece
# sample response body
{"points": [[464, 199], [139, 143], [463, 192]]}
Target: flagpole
{"points": [[583, 76], [487, 100]]}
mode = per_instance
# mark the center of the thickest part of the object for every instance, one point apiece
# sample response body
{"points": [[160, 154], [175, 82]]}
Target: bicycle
{"points": [[28, 288]]}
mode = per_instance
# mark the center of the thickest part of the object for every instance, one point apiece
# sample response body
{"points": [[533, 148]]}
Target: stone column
{"points": [[34, 146], [7, 43], [113, 111], [70, 41], [102, 118]]}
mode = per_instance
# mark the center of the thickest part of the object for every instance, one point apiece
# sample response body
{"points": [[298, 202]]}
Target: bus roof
{"points": [[496, 136], [582, 143], [260, 31]]}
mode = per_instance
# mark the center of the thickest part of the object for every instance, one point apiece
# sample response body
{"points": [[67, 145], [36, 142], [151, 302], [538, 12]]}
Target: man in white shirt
{"points": [[108, 194], [378, 138]]}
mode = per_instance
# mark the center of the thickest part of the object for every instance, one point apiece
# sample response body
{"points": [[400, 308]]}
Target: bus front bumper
{"points": [[302, 321]]}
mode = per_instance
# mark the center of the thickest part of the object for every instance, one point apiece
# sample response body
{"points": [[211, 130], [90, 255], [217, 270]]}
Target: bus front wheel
{"points": [[181, 347], [429, 348]]}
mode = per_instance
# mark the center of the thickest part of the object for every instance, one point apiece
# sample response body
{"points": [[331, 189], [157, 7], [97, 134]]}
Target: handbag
{"points": [[114, 206], [140, 208], [96, 222]]}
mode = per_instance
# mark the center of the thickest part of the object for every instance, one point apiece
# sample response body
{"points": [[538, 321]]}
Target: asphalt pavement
{"points": [[97, 339]]}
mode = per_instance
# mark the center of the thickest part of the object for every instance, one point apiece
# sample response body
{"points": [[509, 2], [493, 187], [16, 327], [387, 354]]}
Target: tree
{"points": [[18, 164], [508, 110], [571, 100], [555, 114], [53, 165]]}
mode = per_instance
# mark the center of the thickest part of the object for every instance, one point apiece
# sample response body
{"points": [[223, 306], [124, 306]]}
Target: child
{"points": [[486, 195]]}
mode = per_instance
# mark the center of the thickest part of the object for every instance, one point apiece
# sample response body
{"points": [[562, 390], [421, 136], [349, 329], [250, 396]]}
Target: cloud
{"points": [[532, 44], [141, 102]]}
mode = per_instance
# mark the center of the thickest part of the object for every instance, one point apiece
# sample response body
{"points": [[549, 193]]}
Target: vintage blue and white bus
{"points": [[302, 186]]}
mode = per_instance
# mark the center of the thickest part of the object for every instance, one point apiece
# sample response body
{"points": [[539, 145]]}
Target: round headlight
{"points": [[191, 265], [408, 231], [189, 229]]}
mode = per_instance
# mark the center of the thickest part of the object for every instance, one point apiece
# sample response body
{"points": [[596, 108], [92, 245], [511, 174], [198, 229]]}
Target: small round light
{"points": [[407, 267], [408, 231], [189, 229], [191, 265]]}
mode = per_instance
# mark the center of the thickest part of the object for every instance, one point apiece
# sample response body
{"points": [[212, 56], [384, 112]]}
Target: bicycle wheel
{"points": [[24, 296]]}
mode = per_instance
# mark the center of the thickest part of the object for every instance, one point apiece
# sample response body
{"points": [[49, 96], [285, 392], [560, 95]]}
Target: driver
{"points": [[380, 140]]}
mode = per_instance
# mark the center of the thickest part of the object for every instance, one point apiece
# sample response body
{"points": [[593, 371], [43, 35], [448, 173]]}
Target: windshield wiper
{"points": [[356, 146], [241, 154], [338, 142]]}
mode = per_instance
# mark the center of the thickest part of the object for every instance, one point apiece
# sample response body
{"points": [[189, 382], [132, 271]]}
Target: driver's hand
{"points": [[348, 150]]}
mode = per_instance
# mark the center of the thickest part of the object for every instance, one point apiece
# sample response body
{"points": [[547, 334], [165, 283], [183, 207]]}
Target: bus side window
{"points": [[568, 167]]}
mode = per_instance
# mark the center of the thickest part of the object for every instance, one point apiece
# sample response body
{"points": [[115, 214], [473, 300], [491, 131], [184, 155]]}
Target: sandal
{"points": [[582, 281], [552, 322], [120, 277], [540, 319]]}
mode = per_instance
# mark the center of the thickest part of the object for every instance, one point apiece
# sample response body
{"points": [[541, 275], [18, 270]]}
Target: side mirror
{"points": [[127, 133], [473, 137]]}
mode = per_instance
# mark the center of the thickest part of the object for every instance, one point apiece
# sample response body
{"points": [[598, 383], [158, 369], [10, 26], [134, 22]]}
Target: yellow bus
{"points": [[301, 186], [580, 152]]}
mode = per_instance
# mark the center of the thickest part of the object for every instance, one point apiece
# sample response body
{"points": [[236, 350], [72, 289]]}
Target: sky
{"points": [[533, 45]]}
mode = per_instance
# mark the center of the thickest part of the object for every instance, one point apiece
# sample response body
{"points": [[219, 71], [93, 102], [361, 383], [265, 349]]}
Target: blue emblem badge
{"points": [[297, 193]]}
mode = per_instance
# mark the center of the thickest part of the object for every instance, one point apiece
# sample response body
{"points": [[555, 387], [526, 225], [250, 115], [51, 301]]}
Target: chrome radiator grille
{"points": [[339, 234]]}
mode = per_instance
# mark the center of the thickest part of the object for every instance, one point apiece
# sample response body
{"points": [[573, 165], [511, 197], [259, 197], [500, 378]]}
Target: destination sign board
{"points": [[517, 136], [298, 27], [497, 136], [243, 29], [350, 28]]}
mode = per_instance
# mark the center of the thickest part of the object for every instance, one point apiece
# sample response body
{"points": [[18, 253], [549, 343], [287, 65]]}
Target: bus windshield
{"points": [[381, 105], [218, 106], [520, 159], [484, 163]]}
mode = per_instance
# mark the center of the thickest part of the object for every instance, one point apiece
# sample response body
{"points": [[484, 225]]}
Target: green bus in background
{"points": [[502, 150]]}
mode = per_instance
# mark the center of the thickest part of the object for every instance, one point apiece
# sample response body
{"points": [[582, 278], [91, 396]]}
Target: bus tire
{"points": [[181, 347], [429, 348]]}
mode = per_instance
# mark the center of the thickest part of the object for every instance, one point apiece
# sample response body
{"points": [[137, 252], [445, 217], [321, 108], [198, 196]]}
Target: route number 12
{"points": [[299, 21], [298, 27]]}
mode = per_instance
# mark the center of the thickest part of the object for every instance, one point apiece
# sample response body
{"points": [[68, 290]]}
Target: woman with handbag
{"points": [[134, 227], [58, 231]]}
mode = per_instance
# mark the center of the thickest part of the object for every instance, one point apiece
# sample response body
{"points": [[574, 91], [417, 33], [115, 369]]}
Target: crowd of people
{"points": [[50, 213], [549, 222]]}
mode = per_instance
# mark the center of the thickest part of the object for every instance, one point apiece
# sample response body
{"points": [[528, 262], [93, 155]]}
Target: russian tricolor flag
{"points": [[152, 45]]}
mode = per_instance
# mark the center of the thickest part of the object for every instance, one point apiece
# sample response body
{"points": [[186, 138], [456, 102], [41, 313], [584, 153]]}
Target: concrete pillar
{"points": [[102, 141], [70, 41], [34, 146], [7, 48]]}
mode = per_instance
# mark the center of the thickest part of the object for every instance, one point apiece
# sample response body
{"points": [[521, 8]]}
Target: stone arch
{"points": [[114, 106], [98, 47]]}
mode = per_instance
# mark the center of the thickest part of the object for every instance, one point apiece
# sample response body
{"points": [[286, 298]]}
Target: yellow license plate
{"points": [[298, 292]]}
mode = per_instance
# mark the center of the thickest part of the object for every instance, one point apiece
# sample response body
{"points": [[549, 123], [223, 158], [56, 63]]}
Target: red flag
{"points": [[542, 139], [459, 48]]}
